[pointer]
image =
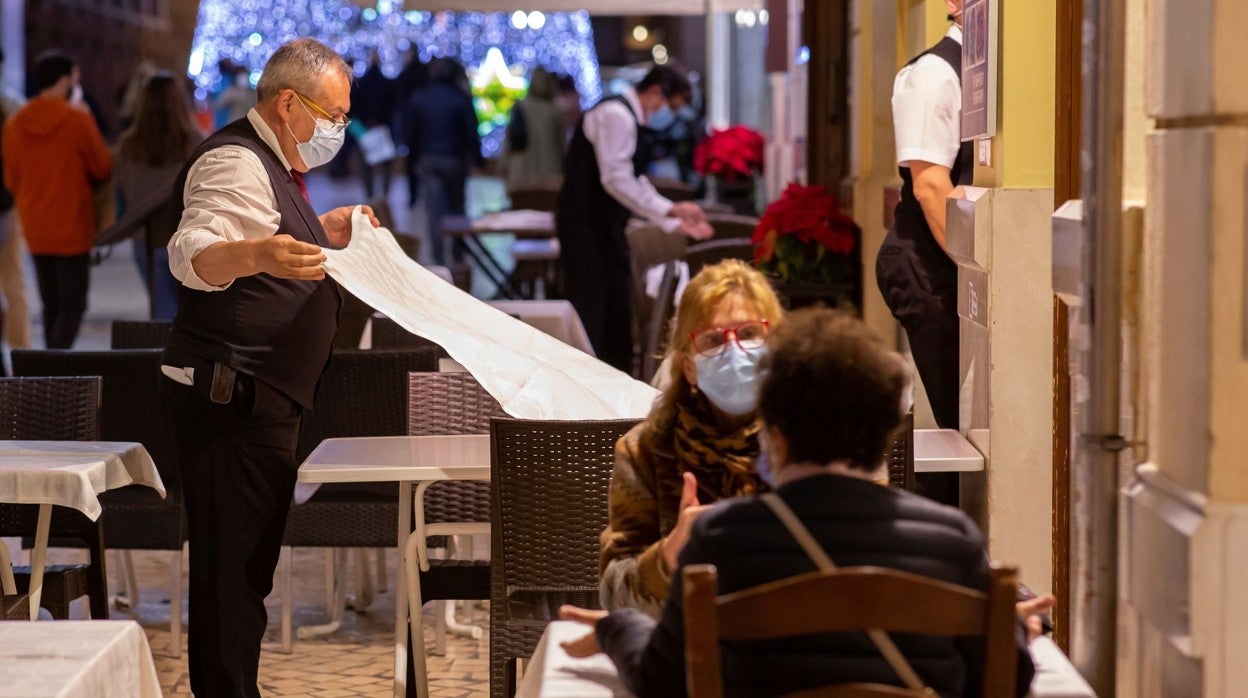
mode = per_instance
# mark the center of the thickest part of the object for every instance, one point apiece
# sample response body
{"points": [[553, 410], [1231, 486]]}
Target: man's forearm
{"points": [[222, 262]]}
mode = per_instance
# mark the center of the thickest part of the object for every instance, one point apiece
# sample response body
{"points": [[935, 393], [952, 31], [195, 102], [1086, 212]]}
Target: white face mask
{"points": [[324, 144], [730, 378]]}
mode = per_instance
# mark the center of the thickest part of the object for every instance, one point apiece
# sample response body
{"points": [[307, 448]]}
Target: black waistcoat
{"points": [[278, 330], [587, 212], [911, 225]]}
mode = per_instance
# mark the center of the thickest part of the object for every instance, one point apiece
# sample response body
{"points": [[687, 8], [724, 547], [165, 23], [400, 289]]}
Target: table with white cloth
{"points": [[76, 659], [69, 474], [556, 318], [552, 673], [406, 460]]}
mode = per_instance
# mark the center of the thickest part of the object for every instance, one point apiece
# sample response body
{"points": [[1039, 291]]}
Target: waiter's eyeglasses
{"points": [[749, 335], [339, 124]]}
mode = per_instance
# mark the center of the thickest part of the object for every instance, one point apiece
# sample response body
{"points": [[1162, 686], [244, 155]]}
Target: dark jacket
{"points": [[441, 121], [858, 523]]}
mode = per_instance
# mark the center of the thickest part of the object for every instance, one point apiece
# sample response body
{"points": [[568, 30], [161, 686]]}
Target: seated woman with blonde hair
{"points": [[700, 441]]}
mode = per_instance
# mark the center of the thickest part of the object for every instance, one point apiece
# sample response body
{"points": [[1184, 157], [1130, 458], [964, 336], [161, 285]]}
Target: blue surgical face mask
{"points": [[730, 378], [662, 119], [324, 144]]}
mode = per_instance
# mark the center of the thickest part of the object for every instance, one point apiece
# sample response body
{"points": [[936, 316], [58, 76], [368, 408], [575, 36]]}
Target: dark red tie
{"points": [[303, 186]]}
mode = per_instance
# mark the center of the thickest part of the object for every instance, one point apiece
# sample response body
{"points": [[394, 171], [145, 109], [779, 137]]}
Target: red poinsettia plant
{"points": [[803, 237], [732, 154]]}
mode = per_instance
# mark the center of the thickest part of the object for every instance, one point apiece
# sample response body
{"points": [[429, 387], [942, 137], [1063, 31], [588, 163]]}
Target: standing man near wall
{"points": [[256, 318], [914, 271], [602, 184]]}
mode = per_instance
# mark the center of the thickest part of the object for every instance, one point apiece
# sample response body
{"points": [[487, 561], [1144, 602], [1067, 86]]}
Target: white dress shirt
{"points": [[227, 197], [611, 129], [927, 110]]}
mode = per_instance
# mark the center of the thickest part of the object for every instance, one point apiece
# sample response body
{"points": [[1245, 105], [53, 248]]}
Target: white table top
{"points": [[556, 318], [72, 473], [76, 659], [553, 674], [398, 458], [945, 451]]}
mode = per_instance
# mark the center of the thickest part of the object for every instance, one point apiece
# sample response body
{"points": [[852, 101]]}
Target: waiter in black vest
{"points": [[914, 271], [603, 185], [255, 324]]}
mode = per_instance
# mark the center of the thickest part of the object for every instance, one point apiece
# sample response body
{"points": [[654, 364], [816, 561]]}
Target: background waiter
{"points": [[915, 274], [602, 184]]}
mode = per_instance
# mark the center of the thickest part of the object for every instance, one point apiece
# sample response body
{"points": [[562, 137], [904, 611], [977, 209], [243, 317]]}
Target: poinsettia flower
{"points": [[803, 236], [732, 153]]}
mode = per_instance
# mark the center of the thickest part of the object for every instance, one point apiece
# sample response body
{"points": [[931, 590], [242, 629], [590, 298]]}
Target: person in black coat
{"points": [[830, 401]]}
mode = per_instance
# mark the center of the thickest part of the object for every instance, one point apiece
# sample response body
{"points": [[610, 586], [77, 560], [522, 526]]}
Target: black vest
{"points": [[278, 330], [911, 225], [587, 213]]}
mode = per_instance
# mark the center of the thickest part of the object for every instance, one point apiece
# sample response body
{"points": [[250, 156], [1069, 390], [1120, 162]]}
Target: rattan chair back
{"points": [[731, 226], [363, 392], [711, 252], [388, 334], [548, 508], [139, 334], [55, 409], [131, 410], [900, 456]]}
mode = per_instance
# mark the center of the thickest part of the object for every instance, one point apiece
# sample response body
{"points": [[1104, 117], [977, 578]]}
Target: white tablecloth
{"points": [[72, 473], [76, 659], [551, 673], [556, 318]]}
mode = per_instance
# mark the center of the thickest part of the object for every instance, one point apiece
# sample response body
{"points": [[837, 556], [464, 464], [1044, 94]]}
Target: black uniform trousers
{"points": [[237, 462], [597, 281]]}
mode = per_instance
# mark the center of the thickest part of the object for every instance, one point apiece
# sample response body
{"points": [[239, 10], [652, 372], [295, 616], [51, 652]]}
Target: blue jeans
{"points": [[164, 288]]}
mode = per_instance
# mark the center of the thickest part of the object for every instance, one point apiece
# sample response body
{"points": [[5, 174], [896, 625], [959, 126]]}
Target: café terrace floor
{"points": [[358, 659]]}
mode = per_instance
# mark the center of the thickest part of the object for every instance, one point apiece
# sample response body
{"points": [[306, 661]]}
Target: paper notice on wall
{"points": [[530, 373]]}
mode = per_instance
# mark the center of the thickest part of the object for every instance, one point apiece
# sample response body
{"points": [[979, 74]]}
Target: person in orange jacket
{"points": [[54, 155]]}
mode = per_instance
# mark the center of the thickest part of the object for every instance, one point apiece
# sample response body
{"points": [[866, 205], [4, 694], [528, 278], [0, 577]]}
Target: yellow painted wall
{"points": [[1023, 151]]}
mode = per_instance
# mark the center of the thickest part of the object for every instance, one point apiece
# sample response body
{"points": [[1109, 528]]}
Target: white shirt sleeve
{"points": [[228, 197], [612, 131], [927, 112]]}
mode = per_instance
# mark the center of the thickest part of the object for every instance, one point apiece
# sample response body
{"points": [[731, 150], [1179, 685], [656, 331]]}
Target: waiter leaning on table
{"points": [[602, 184], [253, 332]]}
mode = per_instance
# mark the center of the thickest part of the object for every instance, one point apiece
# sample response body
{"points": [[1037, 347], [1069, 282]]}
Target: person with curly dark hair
{"points": [[831, 399]]}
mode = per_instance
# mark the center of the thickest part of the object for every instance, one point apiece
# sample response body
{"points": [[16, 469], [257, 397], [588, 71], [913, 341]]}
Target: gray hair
{"points": [[299, 65]]}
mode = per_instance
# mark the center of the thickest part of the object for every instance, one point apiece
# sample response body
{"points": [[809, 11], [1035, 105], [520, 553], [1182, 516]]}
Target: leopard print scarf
{"points": [[723, 463]]}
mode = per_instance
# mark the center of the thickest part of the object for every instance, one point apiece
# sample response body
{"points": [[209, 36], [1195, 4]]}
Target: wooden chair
{"points": [[548, 506], [852, 599], [54, 409]]}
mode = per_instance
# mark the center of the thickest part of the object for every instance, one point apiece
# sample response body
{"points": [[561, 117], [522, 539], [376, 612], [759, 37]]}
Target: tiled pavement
{"points": [[355, 661]]}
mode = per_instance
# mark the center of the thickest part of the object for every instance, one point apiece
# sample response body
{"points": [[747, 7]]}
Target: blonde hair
{"points": [[698, 303]]}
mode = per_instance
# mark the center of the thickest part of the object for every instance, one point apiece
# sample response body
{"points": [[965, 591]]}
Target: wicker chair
{"points": [[648, 247], [900, 457], [55, 409], [656, 337], [139, 334], [730, 226], [850, 599], [388, 334], [711, 252], [548, 507], [362, 393], [131, 410], [447, 403]]}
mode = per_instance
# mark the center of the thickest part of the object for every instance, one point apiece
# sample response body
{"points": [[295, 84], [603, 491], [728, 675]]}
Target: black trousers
{"points": [[596, 280], [63, 283], [930, 317], [238, 468]]}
